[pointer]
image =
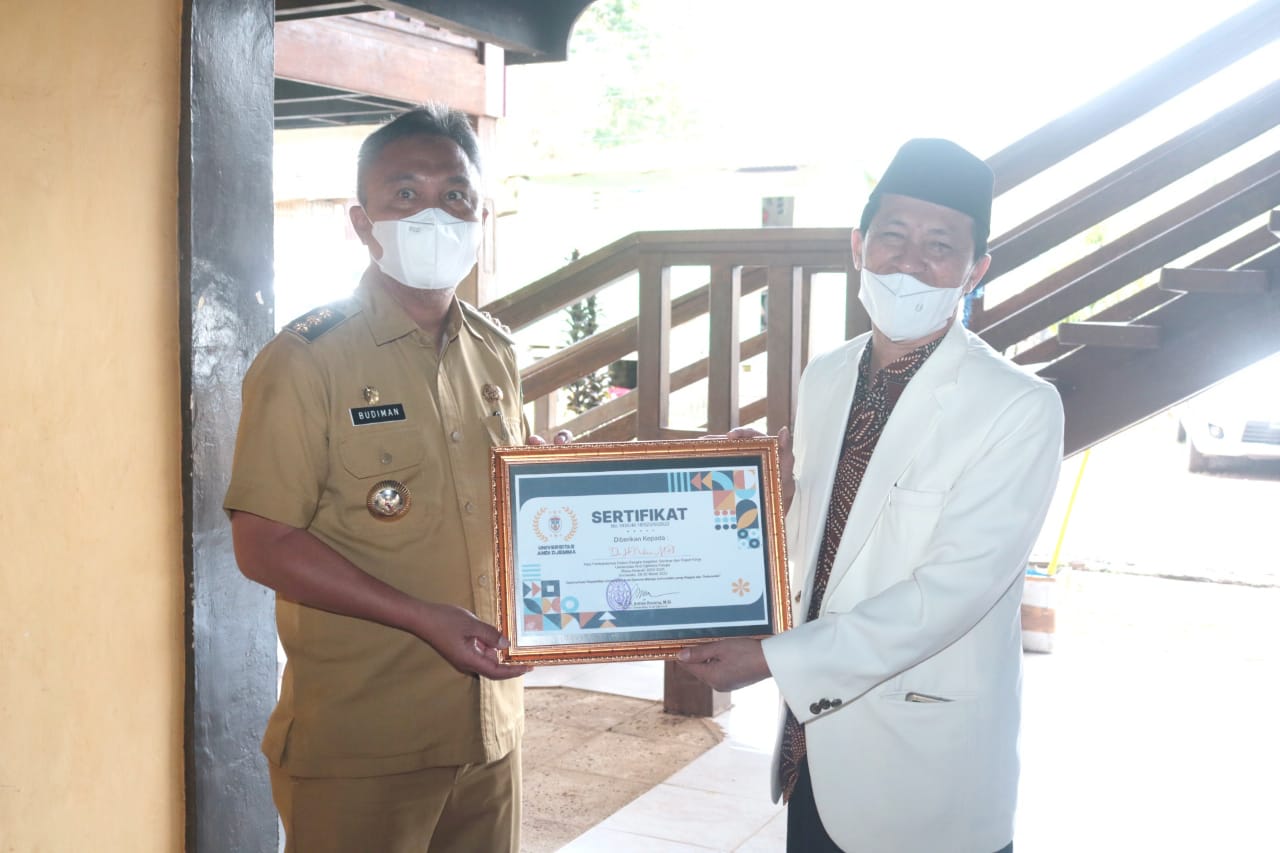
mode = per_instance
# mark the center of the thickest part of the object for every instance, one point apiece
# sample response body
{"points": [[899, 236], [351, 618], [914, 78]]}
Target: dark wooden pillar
{"points": [[225, 299]]}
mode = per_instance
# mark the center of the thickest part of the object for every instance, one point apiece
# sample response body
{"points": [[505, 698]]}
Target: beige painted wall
{"points": [[91, 644]]}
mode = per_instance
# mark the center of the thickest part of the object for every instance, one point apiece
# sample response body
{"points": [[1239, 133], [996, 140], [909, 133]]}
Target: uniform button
{"points": [[825, 703], [469, 506], [484, 579], [455, 435], [385, 459], [815, 708], [836, 703]]}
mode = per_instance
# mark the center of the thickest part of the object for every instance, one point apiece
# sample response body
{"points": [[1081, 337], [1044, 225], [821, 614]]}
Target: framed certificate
{"points": [[632, 551]]}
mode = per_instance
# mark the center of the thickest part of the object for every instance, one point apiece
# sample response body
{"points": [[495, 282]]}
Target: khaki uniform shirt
{"points": [[346, 398]]}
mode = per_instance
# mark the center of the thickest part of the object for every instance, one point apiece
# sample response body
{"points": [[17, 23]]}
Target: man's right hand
{"points": [[468, 644]]}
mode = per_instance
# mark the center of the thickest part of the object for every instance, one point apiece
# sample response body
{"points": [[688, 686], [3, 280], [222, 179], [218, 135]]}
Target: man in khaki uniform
{"points": [[360, 494]]}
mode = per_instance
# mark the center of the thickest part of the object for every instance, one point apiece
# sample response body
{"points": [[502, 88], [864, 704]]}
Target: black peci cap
{"points": [[941, 172]]}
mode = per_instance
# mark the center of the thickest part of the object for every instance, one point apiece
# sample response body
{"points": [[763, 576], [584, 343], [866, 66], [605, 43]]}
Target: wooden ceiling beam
{"points": [[291, 10], [359, 56], [528, 32]]}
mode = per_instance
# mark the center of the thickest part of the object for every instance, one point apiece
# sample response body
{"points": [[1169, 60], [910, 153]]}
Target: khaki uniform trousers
{"points": [[474, 808]]}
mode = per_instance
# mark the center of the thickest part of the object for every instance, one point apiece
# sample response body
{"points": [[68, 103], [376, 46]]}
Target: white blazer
{"points": [[924, 597]]}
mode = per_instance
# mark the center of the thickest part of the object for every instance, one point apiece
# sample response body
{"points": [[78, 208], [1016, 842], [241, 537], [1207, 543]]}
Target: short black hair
{"points": [[429, 119], [980, 234]]}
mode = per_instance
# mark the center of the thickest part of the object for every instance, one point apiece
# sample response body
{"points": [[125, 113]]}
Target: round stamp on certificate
{"points": [[618, 594]]}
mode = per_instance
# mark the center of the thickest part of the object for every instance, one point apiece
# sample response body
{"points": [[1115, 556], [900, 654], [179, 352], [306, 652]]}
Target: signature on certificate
{"points": [[642, 594], [641, 551]]}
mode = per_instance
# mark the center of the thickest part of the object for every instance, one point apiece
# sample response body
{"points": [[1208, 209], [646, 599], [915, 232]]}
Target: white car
{"points": [[1239, 418]]}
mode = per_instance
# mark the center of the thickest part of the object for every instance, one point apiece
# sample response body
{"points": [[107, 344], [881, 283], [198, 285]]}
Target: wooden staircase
{"points": [[1120, 344]]}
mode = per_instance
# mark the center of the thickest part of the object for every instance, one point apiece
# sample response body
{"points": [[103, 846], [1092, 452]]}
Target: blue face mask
{"points": [[430, 250]]}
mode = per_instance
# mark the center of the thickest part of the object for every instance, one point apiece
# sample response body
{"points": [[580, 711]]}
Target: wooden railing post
{"points": [[725, 349], [784, 313], [806, 315], [856, 320], [544, 414], [653, 371]]}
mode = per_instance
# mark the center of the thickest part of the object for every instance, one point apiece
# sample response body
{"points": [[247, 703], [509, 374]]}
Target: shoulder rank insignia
{"points": [[487, 321], [316, 322]]}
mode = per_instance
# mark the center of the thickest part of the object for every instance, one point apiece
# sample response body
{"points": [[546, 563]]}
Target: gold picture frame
{"points": [[632, 551]]}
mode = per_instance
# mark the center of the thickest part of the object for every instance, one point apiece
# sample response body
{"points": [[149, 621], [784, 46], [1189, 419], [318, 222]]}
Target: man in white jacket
{"points": [[924, 464]]}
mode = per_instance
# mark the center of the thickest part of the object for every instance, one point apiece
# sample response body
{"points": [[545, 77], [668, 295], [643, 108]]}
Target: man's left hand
{"points": [[561, 437], [726, 664]]}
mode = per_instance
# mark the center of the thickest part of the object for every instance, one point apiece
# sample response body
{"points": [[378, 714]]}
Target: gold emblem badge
{"points": [[388, 500], [371, 395], [491, 393]]}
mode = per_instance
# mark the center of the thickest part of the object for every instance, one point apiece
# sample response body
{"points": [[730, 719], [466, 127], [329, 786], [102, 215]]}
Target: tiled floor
{"points": [[718, 802]]}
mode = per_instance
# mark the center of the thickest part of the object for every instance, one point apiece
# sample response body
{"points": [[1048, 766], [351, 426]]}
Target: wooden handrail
{"points": [[570, 284], [826, 248], [592, 419], [1231, 40], [1136, 180], [603, 348]]}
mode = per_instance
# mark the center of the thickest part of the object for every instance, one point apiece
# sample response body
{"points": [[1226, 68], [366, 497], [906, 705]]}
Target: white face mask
{"points": [[903, 307], [430, 250]]}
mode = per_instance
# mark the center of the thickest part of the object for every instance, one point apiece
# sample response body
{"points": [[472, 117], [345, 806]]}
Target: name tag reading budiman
{"points": [[633, 551], [377, 414]]}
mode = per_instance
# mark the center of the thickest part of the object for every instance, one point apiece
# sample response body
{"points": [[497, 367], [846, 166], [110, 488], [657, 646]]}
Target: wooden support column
{"points": [[784, 346], [479, 286], [725, 349], [653, 372], [224, 303]]}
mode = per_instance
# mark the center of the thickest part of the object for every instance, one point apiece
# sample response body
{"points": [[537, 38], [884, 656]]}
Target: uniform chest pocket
{"points": [[382, 452], [503, 431]]}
